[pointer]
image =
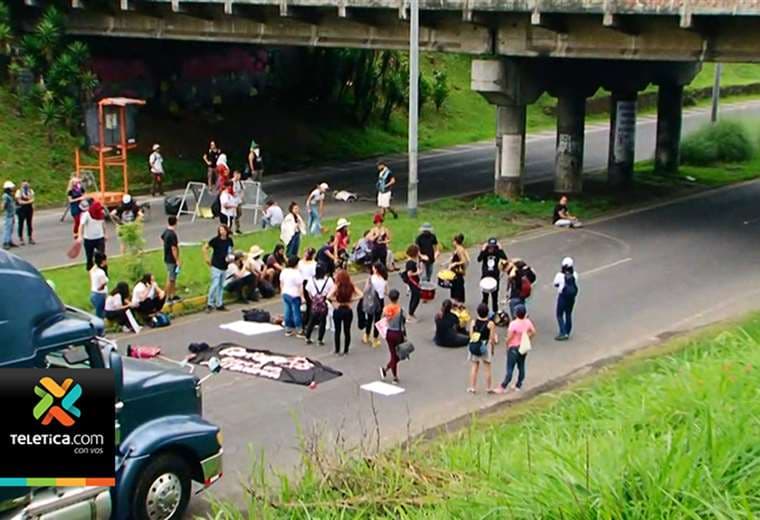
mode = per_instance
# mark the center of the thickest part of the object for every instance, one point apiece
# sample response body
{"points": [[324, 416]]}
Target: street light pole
{"points": [[716, 93], [414, 85]]}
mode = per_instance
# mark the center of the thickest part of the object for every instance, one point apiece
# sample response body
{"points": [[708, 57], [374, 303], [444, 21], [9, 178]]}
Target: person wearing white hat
{"points": [[9, 211], [341, 241], [315, 206], [566, 282], [156, 164]]}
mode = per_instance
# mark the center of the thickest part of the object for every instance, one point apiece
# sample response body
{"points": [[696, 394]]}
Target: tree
{"points": [[50, 115], [440, 89]]}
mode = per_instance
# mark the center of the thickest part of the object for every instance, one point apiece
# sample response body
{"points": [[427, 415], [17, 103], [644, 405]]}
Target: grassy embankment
{"points": [[671, 436]]}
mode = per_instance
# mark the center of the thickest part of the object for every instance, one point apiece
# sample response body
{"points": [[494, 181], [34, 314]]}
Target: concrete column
{"points": [[622, 138], [568, 163], [669, 119], [510, 150]]}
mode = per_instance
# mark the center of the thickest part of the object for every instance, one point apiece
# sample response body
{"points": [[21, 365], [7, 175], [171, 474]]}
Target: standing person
{"points": [[491, 255], [92, 230], [517, 327], [458, 265], [222, 171], [562, 216], [291, 288], [9, 211], [429, 249], [75, 194], [238, 189], [255, 164], [395, 335], [342, 296], [291, 229], [373, 300], [380, 237], [116, 306], [566, 282], [318, 287], [171, 257], [99, 284], [221, 247], [209, 158], [326, 256], [341, 240], [315, 206], [272, 215], [25, 212], [307, 266], [412, 274], [520, 278], [482, 330], [385, 182], [228, 204], [156, 164]]}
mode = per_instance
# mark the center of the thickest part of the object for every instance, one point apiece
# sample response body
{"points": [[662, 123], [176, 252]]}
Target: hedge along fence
{"points": [[722, 142]]}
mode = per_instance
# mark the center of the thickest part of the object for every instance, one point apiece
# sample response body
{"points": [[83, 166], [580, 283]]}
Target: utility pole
{"points": [[716, 93], [414, 85]]}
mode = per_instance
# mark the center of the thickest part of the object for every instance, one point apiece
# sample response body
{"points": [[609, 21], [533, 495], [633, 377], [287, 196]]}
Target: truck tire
{"points": [[163, 489]]}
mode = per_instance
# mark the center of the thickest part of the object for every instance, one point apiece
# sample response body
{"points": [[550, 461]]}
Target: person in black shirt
{"points": [[562, 216], [446, 328], [412, 278], [221, 247], [429, 250], [171, 258], [210, 158], [326, 256], [491, 255], [128, 211]]}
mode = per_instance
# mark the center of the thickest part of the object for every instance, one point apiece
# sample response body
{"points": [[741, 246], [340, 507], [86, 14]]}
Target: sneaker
{"points": [[221, 308], [375, 343], [300, 335], [32, 242], [470, 390], [289, 333], [21, 242], [395, 381], [382, 372], [365, 338], [517, 389], [412, 319], [209, 308], [561, 337], [321, 343], [309, 342]]}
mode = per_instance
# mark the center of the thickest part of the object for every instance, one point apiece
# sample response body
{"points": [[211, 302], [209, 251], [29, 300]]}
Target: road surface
{"points": [[451, 171]]}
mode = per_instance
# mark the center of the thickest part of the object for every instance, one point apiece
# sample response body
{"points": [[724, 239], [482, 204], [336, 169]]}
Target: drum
{"points": [[445, 277], [427, 291], [488, 285]]}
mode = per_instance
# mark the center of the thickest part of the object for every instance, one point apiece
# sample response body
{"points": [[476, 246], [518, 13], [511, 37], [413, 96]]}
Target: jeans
{"points": [[98, 301], [8, 231], [315, 221], [494, 298], [565, 306], [90, 246], [292, 312], [414, 298], [266, 222], [292, 248], [514, 358], [428, 274], [342, 317], [514, 302], [216, 289]]}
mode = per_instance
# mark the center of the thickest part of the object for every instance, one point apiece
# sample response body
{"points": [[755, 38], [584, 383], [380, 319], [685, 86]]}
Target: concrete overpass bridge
{"points": [[568, 48]]}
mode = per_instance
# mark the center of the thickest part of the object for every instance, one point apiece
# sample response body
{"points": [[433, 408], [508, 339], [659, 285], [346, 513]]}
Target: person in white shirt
{"points": [[566, 282], [156, 164], [147, 297], [291, 288], [318, 288], [239, 280], [229, 203], [291, 229], [272, 215], [92, 230], [117, 305], [315, 205], [99, 284]]}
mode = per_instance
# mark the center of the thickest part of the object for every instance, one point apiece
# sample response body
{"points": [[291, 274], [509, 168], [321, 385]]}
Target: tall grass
{"points": [[670, 437], [723, 142]]}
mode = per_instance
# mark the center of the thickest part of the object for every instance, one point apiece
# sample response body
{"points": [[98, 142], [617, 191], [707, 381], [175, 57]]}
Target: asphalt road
{"points": [[643, 275], [452, 171]]}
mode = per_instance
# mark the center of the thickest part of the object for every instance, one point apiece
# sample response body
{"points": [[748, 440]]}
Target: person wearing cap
{"points": [[491, 255], [429, 249], [566, 282], [221, 247], [92, 230], [385, 182], [171, 257], [315, 205], [25, 211], [341, 241], [209, 159], [9, 211], [156, 163], [128, 211]]}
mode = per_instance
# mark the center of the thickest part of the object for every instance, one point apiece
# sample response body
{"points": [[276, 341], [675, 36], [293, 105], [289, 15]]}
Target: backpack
{"points": [[257, 315], [570, 289], [216, 207], [370, 300], [319, 301], [525, 287], [159, 320]]}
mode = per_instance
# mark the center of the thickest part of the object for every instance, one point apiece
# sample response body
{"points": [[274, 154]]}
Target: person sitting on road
{"points": [[239, 280], [128, 211], [147, 297], [447, 332], [562, 216], [117, 305], [275, 263]]}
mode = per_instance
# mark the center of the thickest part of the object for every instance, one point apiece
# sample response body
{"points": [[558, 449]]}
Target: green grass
{"points": [[673, 436]]}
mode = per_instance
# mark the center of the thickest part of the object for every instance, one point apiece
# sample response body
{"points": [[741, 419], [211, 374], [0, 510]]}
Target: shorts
{"points": [[487, 358], [384, 200], [171, 272]]}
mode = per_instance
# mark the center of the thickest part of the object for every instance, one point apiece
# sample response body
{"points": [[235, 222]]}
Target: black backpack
{"points": [[257, 315], [570, 289]]}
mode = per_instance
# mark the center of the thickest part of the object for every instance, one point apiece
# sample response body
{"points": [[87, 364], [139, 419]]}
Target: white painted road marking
{"points": [[607, 266]]}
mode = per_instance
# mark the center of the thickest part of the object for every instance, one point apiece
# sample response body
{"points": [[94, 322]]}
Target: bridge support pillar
{"points": [[568, 163], [669, 119], [622, 148], [510, 150]]}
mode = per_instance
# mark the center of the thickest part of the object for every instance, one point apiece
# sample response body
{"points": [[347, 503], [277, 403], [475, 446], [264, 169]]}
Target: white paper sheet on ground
{"points": [[250, 328], [382, 388]]}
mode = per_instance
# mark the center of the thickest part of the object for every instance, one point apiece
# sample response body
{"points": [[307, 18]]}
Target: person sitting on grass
{"points": [[447, 331], [562, 216], [147, 297], [239, 281], [275, 263], [117, 305]]}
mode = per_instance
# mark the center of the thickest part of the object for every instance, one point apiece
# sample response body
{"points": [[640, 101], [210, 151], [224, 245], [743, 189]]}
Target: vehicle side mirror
{"points": [[117, 366]]}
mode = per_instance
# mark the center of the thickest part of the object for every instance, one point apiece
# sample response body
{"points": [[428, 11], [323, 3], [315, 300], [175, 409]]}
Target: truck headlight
{"points": [[220, 438]]}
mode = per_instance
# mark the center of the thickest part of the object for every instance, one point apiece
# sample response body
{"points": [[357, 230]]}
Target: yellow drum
{"points": [[445, 278]]}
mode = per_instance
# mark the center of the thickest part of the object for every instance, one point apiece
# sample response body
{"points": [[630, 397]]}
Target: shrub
{"points": [[725, 141]]}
